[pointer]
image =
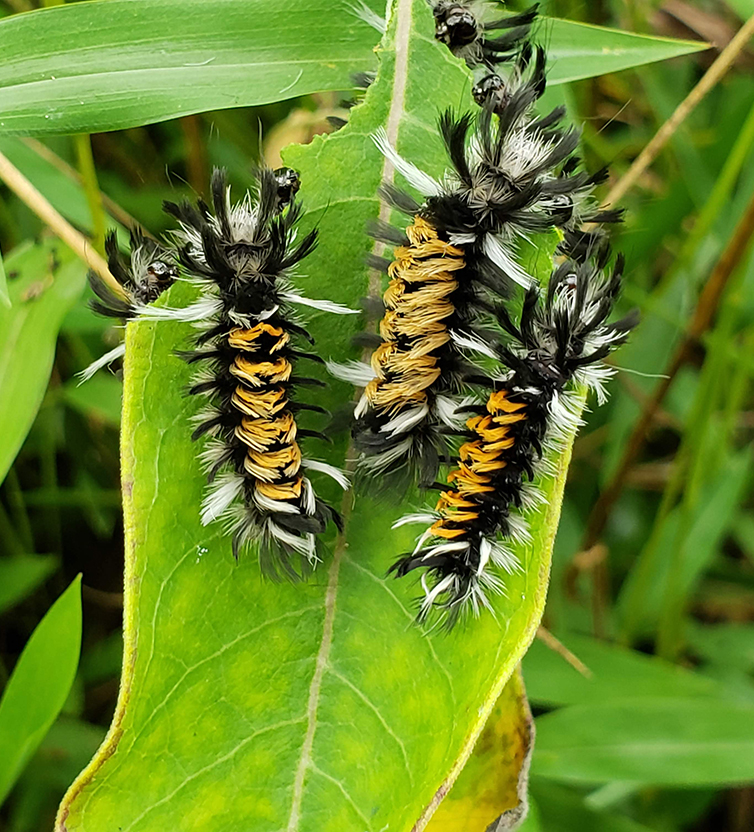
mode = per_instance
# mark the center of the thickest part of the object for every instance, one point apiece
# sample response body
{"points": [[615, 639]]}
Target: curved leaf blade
{"points": [[254, 705], [39, 684], [580, 50], [113, 64]]}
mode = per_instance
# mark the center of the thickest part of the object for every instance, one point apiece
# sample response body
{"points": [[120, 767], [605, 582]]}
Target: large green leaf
{"points": [[660, 741], [47, 280], [97, 66], [39, 685], [321, 706]]}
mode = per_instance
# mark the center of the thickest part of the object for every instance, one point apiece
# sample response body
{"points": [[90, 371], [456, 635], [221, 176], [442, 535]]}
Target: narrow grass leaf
{"points": [[113, 64], [90, 67], [663, 742], [580, 50], [616, 672]]}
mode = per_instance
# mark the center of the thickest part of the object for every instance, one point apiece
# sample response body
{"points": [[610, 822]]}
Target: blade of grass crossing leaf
{"points": [[97, 66], [39, 684], [335, 663]]}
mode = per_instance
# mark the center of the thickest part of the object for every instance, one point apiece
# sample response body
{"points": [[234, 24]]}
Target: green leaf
{"points": [[21, 575], [39, 685], [63, 753], [48, 280], [579, 50], [491, 791], [659, 741], [728, 645], [254, 705], [90, 67], [96, 66], [550, 680]]}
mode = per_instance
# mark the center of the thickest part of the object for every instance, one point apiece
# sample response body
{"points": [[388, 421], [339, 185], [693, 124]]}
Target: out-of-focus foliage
{"points": [[661, 612]]}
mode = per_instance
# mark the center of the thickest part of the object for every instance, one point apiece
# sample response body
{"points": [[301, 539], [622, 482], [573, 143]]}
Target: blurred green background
{"points": [[653, 585]]}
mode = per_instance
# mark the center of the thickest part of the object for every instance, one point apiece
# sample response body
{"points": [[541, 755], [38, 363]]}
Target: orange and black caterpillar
{"points": [[531, 407], [242, 257], [513, 174]]}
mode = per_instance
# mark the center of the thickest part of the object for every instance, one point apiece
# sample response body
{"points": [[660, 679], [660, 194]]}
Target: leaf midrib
{"points": [[402, 11]]}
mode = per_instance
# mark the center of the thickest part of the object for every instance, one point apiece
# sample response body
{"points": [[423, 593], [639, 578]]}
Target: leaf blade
{"points": [[49, 282], [581, 50], [39, 685], [70, 69], [659, 741]]}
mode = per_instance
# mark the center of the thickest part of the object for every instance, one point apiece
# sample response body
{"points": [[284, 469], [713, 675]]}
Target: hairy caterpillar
{"points": [[242, 257], [461, 27], [513, 174], [151, 271], [531, 407]]}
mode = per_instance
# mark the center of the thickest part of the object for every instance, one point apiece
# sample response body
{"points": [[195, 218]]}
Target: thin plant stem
{"points": [[719, 68], [76, 241], [83, 145]]}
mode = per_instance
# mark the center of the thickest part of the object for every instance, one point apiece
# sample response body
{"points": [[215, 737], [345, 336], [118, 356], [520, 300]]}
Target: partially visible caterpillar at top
{"points": [[512, 176], [531, 408], [151, 270], [462, 28], [242, 256]]}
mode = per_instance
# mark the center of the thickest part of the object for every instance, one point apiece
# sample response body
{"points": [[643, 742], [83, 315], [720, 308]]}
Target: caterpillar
{"points": [[242, 257], [514, 174], [150, 271], [460, 26], [532, 406]]}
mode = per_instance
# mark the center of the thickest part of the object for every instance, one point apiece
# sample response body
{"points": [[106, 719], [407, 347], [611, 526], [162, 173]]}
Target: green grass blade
{"points": [[580, 50], [39, 685], [4, 296], [96, 66], [47, 282], [552, 681], [114, 64]]}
